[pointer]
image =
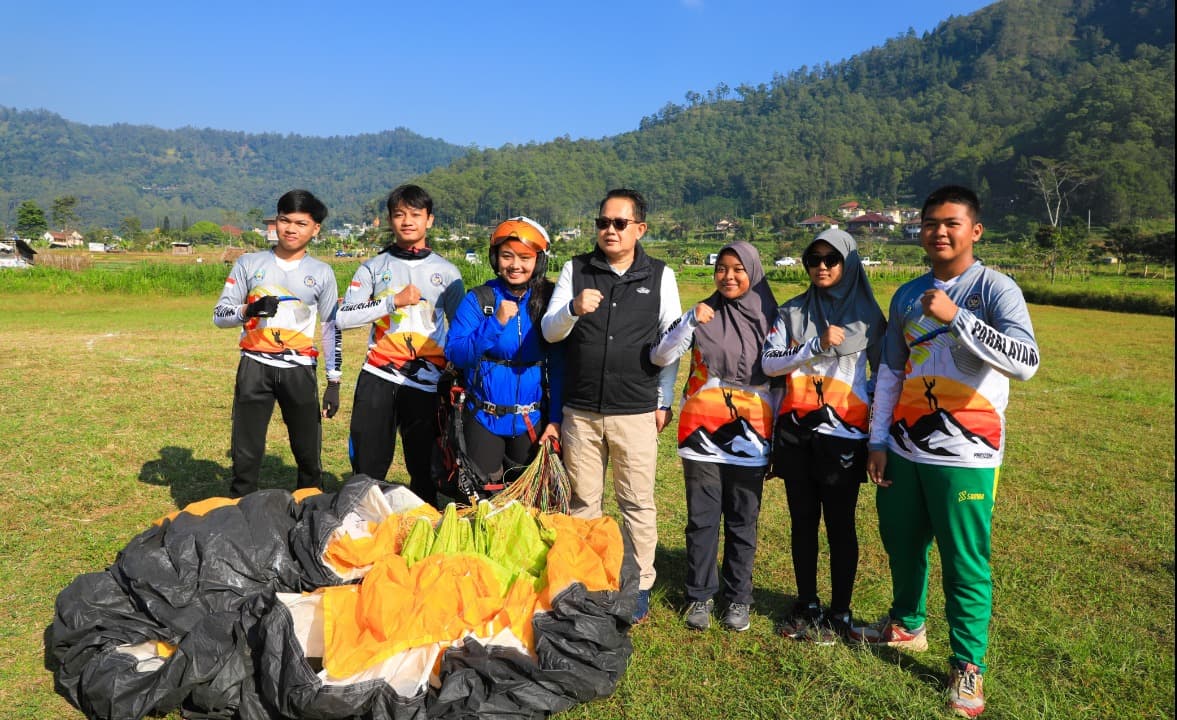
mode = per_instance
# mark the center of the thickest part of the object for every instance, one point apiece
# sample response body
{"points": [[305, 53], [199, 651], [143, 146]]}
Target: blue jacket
{"points": [[504, 364]]}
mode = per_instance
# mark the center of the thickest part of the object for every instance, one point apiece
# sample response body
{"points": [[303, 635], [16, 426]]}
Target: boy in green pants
{"points": [[954, 338]]}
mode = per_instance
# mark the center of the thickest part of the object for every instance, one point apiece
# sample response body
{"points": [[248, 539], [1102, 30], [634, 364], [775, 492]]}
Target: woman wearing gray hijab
{"points": [[724, 431], [824, 340]]}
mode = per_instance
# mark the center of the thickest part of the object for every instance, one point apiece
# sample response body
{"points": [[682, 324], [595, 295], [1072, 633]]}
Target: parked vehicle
{"points": [[785, 261], [867, 262]]}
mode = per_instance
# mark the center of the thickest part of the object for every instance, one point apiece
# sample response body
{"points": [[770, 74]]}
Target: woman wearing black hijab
{"points": [[724, 431], [824, 340]]}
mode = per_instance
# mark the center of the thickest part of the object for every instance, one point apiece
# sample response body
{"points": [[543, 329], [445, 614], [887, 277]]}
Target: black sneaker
{"points": [[821, 632], [803, 617], [737, 618], [841, 623], [698, 614]]}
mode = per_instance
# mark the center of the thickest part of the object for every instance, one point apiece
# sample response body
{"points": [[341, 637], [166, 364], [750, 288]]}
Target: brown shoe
{"points": [[965, 695], [892, 634]]}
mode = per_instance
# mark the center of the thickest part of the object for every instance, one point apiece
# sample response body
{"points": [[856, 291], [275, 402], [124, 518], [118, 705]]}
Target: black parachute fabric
{"points": [[195, 614]]}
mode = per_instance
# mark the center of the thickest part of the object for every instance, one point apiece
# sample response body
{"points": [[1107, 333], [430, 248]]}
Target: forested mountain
{"points": [[128, 170], [1088, 84]]}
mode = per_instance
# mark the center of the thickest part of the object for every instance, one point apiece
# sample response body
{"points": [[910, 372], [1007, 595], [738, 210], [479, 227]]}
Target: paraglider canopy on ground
{"points": [[360, 603]]}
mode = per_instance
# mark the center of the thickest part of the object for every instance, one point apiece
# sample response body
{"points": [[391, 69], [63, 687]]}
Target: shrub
{"points": [[1091, 299]]}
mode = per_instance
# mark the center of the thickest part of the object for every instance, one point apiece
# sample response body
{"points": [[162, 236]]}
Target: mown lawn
{"points": [[115, 410]]}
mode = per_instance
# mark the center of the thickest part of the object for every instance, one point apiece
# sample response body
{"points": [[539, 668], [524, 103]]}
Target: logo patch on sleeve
{"points": [[973, 302]]}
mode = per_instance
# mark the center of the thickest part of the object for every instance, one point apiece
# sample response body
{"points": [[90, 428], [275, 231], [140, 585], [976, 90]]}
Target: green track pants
{"points": [[954, 506]]}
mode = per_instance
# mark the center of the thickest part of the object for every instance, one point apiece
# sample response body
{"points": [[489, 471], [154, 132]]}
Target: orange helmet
{"points": [[524, 230]]}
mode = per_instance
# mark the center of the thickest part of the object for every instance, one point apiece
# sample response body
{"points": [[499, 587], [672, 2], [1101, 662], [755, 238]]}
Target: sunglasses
{"points": [[830, 260], [618, 224]]}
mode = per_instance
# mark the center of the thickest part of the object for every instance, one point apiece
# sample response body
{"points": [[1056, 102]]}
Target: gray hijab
{"points": [[850, 304], [732, 342]]}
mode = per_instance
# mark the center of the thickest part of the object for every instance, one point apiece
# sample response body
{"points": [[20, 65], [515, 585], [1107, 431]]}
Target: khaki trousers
{"points": [[590, 442]]}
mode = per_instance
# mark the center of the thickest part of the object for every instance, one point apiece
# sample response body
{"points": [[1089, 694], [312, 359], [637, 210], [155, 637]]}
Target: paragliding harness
{"points": [[457, 475]]}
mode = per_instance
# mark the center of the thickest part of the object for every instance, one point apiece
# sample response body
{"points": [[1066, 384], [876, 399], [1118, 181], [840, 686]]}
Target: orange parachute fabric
{"points": [[585, 551], [445, 596], [347, 552]]}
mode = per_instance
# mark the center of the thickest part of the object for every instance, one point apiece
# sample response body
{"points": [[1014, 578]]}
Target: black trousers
{"points": [[296, 391], [733, 492], [822, 474], [497, 457], [380, 409]]}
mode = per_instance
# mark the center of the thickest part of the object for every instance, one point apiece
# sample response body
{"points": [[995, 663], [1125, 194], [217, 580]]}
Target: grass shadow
{"points": [[672, 577], [191, 479]]}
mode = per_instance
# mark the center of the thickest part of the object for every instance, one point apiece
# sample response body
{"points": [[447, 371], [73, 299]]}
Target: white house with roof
{"points": [[69, 239]]}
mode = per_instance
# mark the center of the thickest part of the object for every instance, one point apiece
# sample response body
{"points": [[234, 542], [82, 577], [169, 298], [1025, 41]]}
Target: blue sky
{"points": [[472, 73]]}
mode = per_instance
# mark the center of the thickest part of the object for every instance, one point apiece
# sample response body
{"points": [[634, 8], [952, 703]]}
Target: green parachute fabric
{"points": [[203, 613]]}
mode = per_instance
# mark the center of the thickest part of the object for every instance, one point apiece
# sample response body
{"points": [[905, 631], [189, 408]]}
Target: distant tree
{"points": [[1160, 247], [1061, 245], [1123, 241], [65, 212], [255, 216], [30, 220], [204, 232], [102, 235], [166, 228], [251, 239], [1054, 181], [131, 228], [1128, 242]]}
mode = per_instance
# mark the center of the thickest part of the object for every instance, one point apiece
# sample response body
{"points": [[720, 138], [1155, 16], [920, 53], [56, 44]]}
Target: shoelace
{"points": [[968, 682]]}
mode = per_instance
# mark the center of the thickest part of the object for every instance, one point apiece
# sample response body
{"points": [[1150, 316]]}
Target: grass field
{"points": [[116, 411]]}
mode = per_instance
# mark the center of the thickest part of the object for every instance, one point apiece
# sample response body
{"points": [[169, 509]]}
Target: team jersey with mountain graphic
{"points": [[825, 393], [943, 389], [306, 291], [406, 345], [719, 422]]}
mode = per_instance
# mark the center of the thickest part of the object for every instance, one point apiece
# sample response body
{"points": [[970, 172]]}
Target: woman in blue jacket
{"points": [[512, 375]]}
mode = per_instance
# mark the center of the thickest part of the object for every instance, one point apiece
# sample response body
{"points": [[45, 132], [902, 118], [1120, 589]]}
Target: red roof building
{"points": [[869, 222], [817, 221]]}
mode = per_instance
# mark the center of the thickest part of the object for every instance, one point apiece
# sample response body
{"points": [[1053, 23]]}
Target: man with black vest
{"points": [[610, 306]]}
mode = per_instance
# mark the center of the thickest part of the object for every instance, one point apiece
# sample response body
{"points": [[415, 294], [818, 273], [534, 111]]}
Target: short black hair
{"points": [[302, 201], [958, 194], [635, 197], [412, 195]]}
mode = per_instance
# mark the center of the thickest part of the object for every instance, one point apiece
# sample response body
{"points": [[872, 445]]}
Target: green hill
{"points": [[128, 170], [1089, 83]]}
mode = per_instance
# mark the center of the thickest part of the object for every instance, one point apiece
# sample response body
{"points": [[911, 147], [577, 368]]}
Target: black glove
{"points": [[331, 399], [265, 306]]}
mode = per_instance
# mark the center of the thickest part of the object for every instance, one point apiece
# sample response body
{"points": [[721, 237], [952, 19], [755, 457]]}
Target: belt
{"points": [[501, 410]]}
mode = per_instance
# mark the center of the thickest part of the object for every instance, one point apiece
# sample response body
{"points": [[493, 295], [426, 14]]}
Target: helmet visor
{"points": [[521, 230]]}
